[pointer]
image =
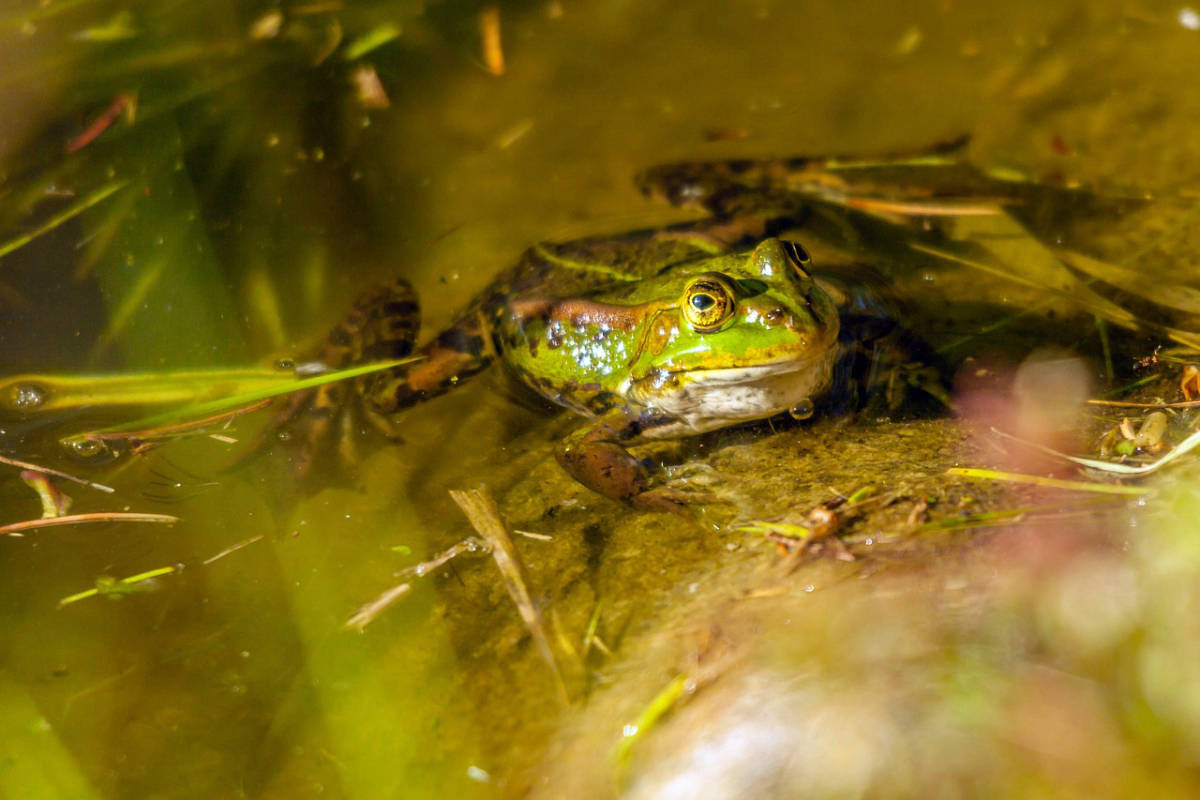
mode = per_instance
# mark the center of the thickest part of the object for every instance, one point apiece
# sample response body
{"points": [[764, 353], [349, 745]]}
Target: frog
{"points": [[662, 333]]}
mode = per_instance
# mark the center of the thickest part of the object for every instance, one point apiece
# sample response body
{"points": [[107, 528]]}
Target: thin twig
{"points": [[233, 548], [182, 427], [75, 519], [1127, 404], [65, 476], [367, 612]]}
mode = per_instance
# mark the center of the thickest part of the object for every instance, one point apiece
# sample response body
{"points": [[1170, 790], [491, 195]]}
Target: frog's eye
{"points": [[798, 255], [708, 303]]}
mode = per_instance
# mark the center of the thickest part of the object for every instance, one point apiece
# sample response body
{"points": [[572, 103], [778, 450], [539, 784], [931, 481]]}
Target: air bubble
{"points": [[83, 447], [27, 397], [802, 410]]}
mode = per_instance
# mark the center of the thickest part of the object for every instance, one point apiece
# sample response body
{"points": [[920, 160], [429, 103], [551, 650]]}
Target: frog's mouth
{"points": [[707, 399], [750, 373]]}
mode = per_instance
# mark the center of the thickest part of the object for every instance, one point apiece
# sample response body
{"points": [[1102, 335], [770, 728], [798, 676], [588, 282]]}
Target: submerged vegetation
{"points": [[992, 593]]}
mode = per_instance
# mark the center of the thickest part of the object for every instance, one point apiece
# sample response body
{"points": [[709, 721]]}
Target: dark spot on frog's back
{"points": [[387, 349], [601, 403], [399, 310], [775, 316], [461, 341]]}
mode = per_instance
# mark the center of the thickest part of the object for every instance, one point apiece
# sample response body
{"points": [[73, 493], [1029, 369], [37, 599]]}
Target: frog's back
{"points": [[549, 320]]}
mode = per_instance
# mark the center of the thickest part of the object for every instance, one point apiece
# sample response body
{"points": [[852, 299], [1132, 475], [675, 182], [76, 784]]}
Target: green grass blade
{"points": [[236, 401], [68, 213]]}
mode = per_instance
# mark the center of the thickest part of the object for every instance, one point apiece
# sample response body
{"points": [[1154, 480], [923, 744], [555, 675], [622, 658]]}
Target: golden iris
{"points": [[708, 302]]}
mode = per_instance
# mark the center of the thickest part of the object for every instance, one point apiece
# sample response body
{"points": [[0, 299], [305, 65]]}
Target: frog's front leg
{"points": [[595, 455]]}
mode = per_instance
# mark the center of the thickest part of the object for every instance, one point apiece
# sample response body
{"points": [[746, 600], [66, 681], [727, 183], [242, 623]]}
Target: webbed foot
{"points": [[595, 455]]}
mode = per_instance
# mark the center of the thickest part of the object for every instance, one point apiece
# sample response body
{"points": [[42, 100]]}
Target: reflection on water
{"points": [[262, 166]]}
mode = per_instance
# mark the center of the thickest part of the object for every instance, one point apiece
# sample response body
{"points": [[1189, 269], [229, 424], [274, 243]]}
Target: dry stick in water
{"points": [[366, 613], [64, 475], [481, 510], [75, 519], [369, 611]]}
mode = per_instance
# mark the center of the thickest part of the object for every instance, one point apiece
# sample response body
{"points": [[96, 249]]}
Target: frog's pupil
{"points": [[703, 302]]}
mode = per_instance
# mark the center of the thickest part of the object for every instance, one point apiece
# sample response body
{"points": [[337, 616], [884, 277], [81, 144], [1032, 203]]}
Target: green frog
{"points": [[651, 336], [655, 334]]}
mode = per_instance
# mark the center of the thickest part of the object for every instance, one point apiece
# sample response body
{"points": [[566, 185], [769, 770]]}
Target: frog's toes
{"points": [[694, 490], [692, 474], [660, 500], [674, 500], [319, 423], [347, 440], [381, 423]]}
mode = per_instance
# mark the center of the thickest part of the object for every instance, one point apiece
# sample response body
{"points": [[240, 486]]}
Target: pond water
{"points": [[211, 186]]}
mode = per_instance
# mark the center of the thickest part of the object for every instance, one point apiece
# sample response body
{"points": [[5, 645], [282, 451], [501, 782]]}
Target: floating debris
{"points": [[139, 440], [116, 588], [513, 134], [1130, 404], [368, 88], [367, 612], [541, 537], [54, 503], [233, 548], [16, 528], [490, 45], [468, 546], [267, 26], [25, 465], [125, 103]]}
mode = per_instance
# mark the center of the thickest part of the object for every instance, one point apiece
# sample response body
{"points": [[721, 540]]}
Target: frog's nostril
{"points": [[797, 253]]}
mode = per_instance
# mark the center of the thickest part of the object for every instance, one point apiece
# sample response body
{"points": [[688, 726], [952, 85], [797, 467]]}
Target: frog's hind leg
{"points": [[456, 354], [381, 325]]}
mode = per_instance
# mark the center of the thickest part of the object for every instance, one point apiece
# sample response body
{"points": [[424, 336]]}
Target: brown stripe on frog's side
{"points": [[532, 324], [600, 319]]}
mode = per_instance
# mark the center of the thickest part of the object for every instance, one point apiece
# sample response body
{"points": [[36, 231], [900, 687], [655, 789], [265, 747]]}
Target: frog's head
{"points": [[749, 336]]}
